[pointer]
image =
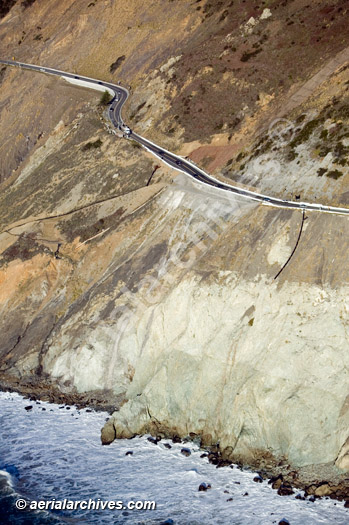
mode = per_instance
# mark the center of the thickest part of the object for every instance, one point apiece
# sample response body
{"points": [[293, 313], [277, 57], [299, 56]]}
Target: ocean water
{"points": [[53, 453]]}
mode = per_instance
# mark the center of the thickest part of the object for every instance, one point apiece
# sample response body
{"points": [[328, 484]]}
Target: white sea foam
{"points": [[4, 474]]}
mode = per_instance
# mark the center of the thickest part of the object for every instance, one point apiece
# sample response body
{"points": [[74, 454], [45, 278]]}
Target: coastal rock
{"points": [[285, 490], [203, 487], [323, 490], [213, 458], [224, 463], [276, 481], [258, 479], [108, 433]]}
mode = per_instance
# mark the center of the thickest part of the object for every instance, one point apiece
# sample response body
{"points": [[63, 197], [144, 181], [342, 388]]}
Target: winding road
{"points": [[119, 96]]}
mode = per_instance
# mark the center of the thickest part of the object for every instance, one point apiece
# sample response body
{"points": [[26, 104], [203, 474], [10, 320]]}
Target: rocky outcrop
{"points": [[342, 461], [108, 433], [244, 364]]}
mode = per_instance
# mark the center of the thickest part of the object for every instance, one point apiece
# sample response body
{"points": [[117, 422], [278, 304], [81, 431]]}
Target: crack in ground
{"points": [[295, 248], [101, 201]]}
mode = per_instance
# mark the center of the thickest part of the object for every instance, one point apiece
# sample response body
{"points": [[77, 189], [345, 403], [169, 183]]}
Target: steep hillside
{"points": [[129, 285], [200, 71]]}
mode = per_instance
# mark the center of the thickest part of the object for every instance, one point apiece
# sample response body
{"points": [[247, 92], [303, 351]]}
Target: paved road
{"points": [[120, 95]]}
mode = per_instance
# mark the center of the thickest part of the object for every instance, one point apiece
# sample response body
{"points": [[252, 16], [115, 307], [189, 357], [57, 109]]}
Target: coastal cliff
{"points": [[184, 309]]}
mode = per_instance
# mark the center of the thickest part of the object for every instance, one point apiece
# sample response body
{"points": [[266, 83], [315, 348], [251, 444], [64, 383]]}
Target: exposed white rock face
{"points": [[250, 24], [343, 458], [85, 365], [193, 327], [280, 250], [104, 352], [171, 61], [245, 362], [266, 14]]}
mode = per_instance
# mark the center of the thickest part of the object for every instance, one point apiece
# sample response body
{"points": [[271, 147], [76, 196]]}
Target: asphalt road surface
{"points": [[114, 113]]}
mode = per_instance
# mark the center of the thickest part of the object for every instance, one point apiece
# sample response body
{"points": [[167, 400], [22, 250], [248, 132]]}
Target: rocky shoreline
{"points": [[317, 481], [287, 481], [36, 389]]}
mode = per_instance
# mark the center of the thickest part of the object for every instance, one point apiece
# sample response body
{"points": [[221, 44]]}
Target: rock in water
{"points": [[108, 433], [258, 479], [276, 481], [204, 486], [186, 452], [213, 458], [285, 490], [224, 463], [323, 490]]}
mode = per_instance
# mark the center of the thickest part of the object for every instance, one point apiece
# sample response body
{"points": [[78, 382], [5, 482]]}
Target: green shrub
{"points": [[92, 145], [105, 99], [246, 56], [115, 65], [321, 172], [334, 174], [305, 132]]}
